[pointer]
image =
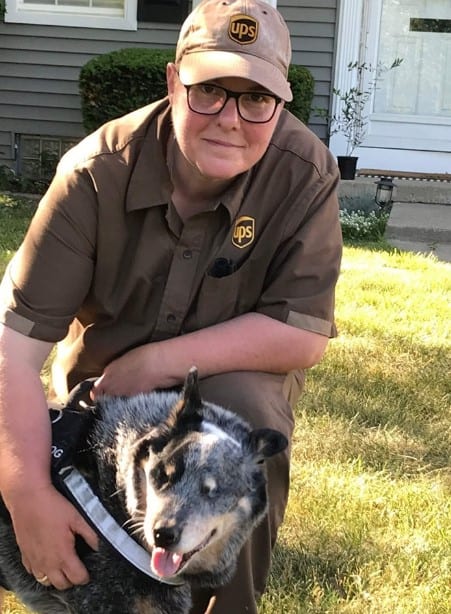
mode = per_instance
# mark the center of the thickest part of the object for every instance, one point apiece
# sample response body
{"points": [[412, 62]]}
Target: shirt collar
{"points": [[235, 193], [150, 182]]}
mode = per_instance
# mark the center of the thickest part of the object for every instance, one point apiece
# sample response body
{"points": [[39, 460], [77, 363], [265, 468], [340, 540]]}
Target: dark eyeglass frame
{"points": [[235, 95]]}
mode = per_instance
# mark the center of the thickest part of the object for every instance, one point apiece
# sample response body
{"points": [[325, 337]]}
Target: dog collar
{"points": [[90, 504]]}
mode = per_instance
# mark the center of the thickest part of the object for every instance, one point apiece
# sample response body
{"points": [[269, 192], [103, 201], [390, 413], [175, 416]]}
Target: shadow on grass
{"points": [[304, 580], [394, 415]]}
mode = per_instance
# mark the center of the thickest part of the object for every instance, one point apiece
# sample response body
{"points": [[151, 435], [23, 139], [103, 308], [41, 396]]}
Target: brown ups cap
{"points": [[235, 38]]}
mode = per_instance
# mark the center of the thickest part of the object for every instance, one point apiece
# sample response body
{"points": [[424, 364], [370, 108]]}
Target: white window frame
{"points": [[349, 49], [73, 16]]}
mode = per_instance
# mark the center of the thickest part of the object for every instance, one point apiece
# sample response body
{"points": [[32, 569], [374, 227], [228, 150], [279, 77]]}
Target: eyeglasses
{"points": [[209, 99]]}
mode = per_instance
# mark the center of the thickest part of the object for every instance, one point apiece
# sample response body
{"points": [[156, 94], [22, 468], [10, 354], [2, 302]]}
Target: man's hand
{"points": [[45, 524], [139, 370]]}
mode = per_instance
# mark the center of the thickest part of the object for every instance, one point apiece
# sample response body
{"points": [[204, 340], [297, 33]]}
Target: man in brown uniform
{"points": [[200, 230]]}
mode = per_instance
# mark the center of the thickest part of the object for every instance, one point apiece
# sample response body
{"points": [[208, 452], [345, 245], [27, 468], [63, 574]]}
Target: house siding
{"points": [[40, 65], [313, 27]]}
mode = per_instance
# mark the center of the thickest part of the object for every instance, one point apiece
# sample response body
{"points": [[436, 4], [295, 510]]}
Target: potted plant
{"points": [[352, 115]]}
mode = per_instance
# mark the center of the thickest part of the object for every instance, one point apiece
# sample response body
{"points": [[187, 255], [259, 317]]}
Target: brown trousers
{"points": [[264, 400]]}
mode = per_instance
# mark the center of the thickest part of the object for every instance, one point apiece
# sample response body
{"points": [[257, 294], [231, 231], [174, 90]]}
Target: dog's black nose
{"points": [[165, 536]]}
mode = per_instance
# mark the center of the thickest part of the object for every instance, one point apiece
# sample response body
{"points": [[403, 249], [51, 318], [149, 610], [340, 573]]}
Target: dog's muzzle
{"points": [[89, 504]]}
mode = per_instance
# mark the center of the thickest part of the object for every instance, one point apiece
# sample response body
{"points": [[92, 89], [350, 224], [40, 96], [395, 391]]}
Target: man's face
{"points": [[218, 146]]}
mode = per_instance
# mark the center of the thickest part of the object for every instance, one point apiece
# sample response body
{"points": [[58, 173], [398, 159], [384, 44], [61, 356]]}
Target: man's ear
{"points": [[171, 76]]}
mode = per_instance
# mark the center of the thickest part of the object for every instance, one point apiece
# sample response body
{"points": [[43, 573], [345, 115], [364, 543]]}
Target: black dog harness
{"points": [[70, 426]]}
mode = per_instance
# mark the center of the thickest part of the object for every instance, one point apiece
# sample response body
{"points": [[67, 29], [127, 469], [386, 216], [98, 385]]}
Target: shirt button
{"points": [[171, 318], [187, 254]]}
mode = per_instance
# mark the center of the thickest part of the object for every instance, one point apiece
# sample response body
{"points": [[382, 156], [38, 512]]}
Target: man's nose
{"points": [[229, 113]]}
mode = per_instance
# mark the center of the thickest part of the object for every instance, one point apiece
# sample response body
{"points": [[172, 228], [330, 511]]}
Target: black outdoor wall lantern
{"points": [[384, 192]]}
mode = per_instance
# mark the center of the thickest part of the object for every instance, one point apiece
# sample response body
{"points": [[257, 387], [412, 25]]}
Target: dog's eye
{"points": [[159, 476], [209, 487]]}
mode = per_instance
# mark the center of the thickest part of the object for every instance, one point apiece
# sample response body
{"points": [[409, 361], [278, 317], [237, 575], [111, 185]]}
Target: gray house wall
{"points": [[39, 67], [313, 26]]}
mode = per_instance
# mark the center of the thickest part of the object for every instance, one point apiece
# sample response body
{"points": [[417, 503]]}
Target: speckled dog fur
{"points": [[185, 478]]}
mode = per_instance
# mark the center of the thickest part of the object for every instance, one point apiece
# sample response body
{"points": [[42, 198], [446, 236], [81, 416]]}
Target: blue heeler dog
{"points": [[183, 477]]}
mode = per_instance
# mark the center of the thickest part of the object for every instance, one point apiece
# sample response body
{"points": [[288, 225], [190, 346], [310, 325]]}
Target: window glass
{"points": [[419, 31], [112, 14]]}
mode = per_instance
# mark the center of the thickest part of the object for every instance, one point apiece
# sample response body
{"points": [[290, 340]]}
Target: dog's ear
{"points": [[192, 402], [187, 412], [264, 443]]}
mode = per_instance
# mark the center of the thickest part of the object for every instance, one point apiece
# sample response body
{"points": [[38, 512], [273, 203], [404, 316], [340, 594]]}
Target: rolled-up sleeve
{"points": [[49, 276], [300, 283]]}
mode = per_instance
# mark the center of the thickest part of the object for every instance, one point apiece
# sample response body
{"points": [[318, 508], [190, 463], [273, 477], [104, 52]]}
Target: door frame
{"points": [[358, 36]]}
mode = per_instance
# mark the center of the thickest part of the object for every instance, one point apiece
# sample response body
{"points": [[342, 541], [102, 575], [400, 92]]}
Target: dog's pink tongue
{"points": [[164, 563]]}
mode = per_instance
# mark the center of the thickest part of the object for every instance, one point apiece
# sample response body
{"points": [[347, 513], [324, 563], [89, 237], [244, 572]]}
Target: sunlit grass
{"points": [[368, 526], [14, 218]]}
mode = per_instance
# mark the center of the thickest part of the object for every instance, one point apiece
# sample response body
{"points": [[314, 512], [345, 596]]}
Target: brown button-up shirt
{"points": [[107, 263]]}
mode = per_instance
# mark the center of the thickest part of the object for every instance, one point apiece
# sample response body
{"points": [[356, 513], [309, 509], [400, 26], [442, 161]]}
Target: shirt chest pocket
{"points": [[222, 298]]}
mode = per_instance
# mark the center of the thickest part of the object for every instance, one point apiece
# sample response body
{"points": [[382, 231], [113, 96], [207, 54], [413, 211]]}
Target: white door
{"points": [[412, 107], [410, 114]]}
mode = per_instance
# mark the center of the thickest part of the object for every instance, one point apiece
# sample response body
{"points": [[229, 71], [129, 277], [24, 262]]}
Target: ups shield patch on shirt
{"points": [[244, 231]]}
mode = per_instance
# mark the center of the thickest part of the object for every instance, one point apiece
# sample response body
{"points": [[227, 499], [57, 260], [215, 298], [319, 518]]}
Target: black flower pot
{"points": [[347, 166]]}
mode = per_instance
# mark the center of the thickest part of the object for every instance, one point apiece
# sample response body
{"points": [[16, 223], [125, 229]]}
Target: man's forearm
{"points": [[24, 435], [251, 342]]}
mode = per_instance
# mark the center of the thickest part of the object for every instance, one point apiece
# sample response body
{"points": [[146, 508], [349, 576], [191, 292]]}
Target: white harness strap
{"points": [[107, 526]]}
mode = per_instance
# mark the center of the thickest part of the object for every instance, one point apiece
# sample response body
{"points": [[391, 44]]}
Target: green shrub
{"points": [[360, 225], [121, 81], [11, 182], [8, 179], [302, 86], [360, 202]]}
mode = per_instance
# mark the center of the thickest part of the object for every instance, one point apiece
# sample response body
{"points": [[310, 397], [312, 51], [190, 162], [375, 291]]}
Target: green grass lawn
{"points": [[368, 527]]}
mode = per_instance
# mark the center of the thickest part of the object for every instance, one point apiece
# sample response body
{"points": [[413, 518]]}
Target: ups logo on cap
{"points": [[243, 29], [244, 231]]}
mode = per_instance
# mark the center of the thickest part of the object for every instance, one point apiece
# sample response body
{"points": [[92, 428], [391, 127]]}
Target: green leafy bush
{"points": [[361, 225], [121, 81], [302, 86], [12, 182], [364, 203], [8, 178]]}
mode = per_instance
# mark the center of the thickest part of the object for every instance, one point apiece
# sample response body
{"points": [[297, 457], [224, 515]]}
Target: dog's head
{"points": [[199, 487]]}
